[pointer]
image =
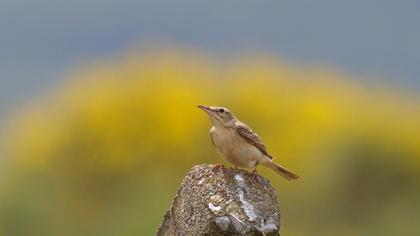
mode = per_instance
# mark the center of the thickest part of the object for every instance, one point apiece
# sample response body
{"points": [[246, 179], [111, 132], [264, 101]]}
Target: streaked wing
{"points": [[246, 133]]}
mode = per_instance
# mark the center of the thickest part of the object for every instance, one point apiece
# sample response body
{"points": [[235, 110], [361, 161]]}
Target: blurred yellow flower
{"points": [[135, 119]]}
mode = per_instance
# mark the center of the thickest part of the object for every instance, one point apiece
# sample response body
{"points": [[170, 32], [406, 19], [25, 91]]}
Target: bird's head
{"points": [[219, 116]]}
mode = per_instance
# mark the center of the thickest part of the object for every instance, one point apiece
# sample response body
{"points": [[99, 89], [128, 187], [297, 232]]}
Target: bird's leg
{"points": [[254, 171], [255, 175]]}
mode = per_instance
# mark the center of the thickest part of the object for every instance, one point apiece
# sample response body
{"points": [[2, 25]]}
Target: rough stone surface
{"points": [[221, 201]]}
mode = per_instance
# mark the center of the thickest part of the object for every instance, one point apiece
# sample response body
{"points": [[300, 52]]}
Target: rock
{"points": [[222, 201]]}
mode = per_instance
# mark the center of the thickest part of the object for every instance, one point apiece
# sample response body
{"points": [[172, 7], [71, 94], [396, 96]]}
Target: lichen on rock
{"points": [[222, 201]]}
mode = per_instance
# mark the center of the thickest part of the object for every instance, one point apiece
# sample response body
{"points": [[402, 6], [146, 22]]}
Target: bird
{"points": [[239, 144]]}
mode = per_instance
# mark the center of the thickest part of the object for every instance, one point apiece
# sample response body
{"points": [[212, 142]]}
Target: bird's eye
{"points": [[221, 110]]}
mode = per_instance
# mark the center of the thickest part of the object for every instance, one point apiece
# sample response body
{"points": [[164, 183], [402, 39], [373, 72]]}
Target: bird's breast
{"points": [[234, 148]]}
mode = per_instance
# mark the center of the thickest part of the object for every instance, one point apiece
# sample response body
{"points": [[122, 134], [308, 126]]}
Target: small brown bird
{"points": [[238, 144]]}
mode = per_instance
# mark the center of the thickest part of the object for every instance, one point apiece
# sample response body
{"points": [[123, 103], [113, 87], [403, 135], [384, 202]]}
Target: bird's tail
{"points": [[287, 174]]}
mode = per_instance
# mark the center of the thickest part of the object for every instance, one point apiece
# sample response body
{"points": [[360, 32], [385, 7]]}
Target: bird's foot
{"points": [[218, 166]]}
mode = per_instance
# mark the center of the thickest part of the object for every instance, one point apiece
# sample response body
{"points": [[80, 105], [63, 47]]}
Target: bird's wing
{"points": [[211, 136], [251, 137]]}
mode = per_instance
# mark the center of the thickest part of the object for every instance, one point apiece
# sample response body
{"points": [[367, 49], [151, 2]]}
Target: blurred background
{"points": [[99, 123]]}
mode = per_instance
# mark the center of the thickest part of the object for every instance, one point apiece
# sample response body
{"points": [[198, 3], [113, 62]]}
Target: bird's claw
{"points": [[218, 166]]}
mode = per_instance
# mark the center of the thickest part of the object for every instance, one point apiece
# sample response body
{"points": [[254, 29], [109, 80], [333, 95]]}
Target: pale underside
{"points": [[239, 146]]}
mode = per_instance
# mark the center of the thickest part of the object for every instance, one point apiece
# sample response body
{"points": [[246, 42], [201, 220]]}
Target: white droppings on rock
{"points": [[235, 199], [247, 207], [267, 226], [239, 178], [214, 208], [238, 224], [223, 222]]}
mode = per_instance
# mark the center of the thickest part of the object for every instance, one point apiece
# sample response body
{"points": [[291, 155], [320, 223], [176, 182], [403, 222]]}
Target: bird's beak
{"points": [[208, 110], [204, 108]]}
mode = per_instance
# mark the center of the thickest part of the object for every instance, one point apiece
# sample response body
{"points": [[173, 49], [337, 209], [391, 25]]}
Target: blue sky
{"points": [[42, 39]]}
